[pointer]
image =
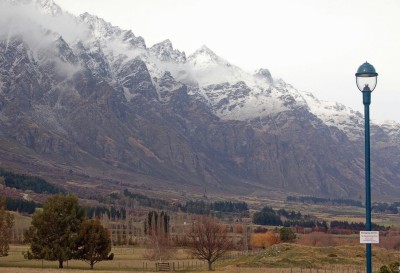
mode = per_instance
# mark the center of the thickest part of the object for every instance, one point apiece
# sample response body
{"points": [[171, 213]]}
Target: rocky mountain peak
{"points": [[264, 73], [100, 28], [50, 7], [104, 30], [135, 41], [165, 52], [205, 57], [44, 6]]}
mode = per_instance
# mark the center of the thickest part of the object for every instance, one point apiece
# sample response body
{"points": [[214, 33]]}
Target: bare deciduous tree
{"points": [[208, 240], [158, 247], [6, 225]]}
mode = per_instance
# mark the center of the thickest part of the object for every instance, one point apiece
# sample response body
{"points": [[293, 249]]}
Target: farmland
{"points": [[125, 214]]}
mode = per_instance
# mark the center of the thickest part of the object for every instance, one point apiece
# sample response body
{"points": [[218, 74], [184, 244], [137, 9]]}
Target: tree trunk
{"points": [[60, 264], [91, 264], [209, 266]]}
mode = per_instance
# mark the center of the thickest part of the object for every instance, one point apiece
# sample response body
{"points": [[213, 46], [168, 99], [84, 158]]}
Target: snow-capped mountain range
{"points": [[232, 93], [52, 62]]}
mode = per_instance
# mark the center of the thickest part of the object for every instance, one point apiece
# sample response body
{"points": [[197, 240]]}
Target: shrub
{"points": [[391, 240], [286, 234], [394, 267], [384, 269], [264, 240]]}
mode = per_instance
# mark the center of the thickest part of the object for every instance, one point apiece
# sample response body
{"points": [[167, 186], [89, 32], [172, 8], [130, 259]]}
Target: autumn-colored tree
{"points": [[6, 225], [94, 242], [208, 240], [264, 240], [53, 233]]}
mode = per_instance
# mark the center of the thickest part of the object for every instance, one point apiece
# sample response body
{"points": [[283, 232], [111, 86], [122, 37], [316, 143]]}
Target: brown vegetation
{"points": [[391, 240], [264, 240], [319, 239]]}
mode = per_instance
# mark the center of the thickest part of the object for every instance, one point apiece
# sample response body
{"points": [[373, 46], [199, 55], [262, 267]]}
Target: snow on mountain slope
{"points": [[390, 128], [208, 68], [337, 115], [234, 94], [103, 30]]}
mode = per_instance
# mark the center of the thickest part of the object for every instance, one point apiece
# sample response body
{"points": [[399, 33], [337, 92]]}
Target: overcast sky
{"points": [[315, 45]]}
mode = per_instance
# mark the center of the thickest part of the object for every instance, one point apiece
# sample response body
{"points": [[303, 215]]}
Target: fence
{"points": [[175, 265]]}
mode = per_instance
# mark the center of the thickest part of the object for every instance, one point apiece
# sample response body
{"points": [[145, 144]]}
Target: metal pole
{"points": [[367, 101]]}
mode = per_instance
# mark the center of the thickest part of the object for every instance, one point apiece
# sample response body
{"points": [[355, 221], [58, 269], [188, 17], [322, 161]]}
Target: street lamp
{"points": [[366, 78]]}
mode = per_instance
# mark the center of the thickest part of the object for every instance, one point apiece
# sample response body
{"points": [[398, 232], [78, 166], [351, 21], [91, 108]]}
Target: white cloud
{"points": [[27, 20]]}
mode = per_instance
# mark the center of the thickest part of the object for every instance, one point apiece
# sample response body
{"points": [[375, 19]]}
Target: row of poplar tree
{"points": [[61, 232]]}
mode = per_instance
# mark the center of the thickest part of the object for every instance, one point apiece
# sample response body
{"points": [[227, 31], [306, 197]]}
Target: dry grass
{"points": [[282, 258], [229, 269], [125, 259], [291, 256]]}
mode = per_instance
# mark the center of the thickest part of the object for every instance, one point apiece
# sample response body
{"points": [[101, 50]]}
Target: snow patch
{"points": [[128, 95]]}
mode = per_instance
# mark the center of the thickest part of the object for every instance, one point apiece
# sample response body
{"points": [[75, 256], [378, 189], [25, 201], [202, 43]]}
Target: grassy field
{"points": [[125, 259], [282, 258]]}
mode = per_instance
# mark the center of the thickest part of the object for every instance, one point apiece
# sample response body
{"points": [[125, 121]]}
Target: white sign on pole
{"points": [[369, 237]]}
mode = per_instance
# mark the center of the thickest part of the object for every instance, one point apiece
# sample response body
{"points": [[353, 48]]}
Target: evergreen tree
{"points": [[286, 234], [54, 231], [267, 216], [94, 242], [157, 223]]}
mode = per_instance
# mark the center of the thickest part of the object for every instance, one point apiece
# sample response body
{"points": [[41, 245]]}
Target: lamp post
{"points": [[366, 78]]}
